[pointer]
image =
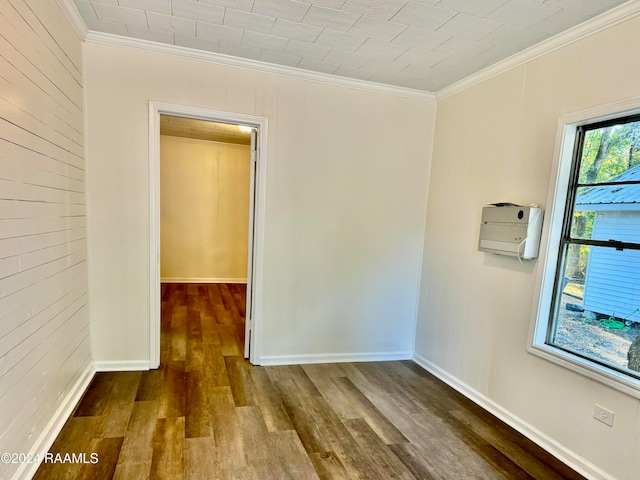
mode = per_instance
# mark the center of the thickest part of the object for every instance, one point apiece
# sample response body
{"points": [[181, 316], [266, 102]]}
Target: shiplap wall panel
{"points": [[20, 227], [30, 326], [34, 97], [13, 209], [20, 136], [24, 305], [28, 413], [39, 126], [59, 38], [9, 266], [41, 161], [33, 28], [36, 193], [19, 70], [27, 353], [43, 67], [44, 313], [21, 245], [40, 178], [15, 246], [51, 54], [33, 276]]}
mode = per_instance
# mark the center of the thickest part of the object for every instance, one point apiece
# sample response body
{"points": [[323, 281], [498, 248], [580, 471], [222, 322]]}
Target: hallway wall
{"points": [[204, 210]]}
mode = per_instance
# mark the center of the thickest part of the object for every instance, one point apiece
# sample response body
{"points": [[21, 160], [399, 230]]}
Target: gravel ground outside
{"points": [[593, 338]]}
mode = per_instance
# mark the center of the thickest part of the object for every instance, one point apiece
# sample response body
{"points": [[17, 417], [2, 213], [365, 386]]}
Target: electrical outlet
{"points": [[603, 415]]}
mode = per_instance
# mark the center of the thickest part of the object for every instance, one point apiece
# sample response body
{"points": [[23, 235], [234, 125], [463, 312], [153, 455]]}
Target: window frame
{"points": [[564, 176]]}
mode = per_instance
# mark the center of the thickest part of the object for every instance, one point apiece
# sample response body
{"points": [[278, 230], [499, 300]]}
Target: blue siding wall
{"points": [[611, 284]]}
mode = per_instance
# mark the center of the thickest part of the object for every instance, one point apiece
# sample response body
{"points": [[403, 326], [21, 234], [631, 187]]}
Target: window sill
{"points": [[592, 370]]}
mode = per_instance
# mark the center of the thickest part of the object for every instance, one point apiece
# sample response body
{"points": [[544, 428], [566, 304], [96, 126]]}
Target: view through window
{"points": [[595, 312]]}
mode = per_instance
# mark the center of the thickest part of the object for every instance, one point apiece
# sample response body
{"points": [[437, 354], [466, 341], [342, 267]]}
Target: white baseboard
{"points": [[562, 453], [53, 428], [333, 358], [201, 280], [121, 366]]}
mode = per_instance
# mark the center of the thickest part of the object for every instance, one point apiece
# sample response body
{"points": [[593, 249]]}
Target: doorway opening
{"points": [[206, 211]]}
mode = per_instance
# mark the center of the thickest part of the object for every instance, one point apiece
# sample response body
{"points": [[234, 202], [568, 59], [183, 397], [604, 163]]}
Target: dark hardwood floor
{"points": [[208, 414]]}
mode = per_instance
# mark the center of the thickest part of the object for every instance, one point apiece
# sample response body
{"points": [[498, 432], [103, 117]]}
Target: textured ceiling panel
{"points": [[203, 130], [421, 44]]}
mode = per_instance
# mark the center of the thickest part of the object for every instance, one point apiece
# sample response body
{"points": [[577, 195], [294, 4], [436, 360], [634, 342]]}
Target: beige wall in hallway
{"points": [[204, 210]]}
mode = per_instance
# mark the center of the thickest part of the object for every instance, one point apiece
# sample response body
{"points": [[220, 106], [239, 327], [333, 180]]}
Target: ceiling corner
{"points": [[622, 13], [73, 16]]}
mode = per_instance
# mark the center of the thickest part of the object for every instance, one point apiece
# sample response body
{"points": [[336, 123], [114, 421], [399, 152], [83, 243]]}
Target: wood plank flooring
{"points": [[208, 414]]}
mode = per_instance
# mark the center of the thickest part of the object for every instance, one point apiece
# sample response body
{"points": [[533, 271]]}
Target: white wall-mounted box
{"points": [[511, 230]]}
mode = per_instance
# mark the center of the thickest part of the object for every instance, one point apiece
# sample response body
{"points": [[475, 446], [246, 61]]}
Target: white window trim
{"points": [[550, 244]]}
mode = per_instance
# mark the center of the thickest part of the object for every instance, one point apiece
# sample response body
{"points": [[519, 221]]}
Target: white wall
{"points": [[44, 322], [495, 142], [204, 210], [345, 203]]}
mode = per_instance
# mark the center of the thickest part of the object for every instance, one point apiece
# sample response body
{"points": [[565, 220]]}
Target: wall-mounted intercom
{"points": [[509, 229]]}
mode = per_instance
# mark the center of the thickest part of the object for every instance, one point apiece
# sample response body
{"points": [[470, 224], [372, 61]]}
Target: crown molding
{"points": [[608, 19], [256, 65], [73, 16]]}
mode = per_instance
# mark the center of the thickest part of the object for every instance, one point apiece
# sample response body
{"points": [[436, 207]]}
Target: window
{"points": [[589, 313]]}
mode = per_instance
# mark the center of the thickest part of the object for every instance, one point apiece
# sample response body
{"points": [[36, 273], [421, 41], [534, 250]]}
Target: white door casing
{"points": [[256, 220], [248, 324]]}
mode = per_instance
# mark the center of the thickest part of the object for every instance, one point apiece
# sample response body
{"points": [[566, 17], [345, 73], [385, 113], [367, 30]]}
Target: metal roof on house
{"points": [[616, 195]]}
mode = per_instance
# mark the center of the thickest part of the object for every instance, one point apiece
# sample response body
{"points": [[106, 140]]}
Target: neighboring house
{"points": [[611, 285]]}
